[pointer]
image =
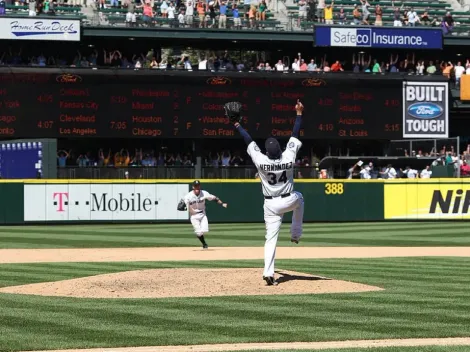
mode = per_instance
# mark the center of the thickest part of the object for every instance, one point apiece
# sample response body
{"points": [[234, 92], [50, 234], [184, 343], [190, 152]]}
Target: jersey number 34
{"points": [[272, 179]]}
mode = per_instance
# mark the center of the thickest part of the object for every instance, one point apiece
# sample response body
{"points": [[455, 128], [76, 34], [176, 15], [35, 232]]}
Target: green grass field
{"points": [[235, 235], [423, 297]]}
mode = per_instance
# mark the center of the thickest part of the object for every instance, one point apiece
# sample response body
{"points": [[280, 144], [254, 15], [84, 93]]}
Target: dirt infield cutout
{"points": [[188, 282], [312, 346]]}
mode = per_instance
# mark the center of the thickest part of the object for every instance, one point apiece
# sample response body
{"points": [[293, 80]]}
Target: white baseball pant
{"points": [[274, 210], [200, 224]]}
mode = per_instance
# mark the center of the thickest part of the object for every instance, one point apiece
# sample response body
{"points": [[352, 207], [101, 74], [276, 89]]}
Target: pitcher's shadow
{"points": [[288, 277]]}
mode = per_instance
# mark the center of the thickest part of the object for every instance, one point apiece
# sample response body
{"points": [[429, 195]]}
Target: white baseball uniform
{"points": [[277, 179], [197, 210]]}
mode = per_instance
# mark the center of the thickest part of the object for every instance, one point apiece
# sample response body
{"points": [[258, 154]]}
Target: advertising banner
{"points": [[425, 110], [427, 201], [111, 202], [31, 28], [378, 37]]}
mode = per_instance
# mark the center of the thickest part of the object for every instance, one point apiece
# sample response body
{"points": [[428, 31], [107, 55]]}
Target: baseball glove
{"points": [[182, 206], [233, 111]]}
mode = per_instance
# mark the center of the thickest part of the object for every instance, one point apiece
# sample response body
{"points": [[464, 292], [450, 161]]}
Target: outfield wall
{"points": [[51, 201]]}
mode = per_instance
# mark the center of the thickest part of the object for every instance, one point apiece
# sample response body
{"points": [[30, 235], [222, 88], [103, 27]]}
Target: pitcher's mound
{"points": [[161, 283]]}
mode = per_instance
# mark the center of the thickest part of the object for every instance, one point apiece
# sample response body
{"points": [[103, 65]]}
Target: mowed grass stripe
{"points": [[423, 297], [240, 235]]}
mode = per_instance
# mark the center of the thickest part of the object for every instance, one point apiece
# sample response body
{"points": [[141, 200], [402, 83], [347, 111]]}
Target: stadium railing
{"points": [[168, 172], [120, 172]]}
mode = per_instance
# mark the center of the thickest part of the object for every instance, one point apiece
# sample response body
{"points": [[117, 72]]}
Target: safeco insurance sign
{"points": [[380, 37], [85, 202], [425, 110]]}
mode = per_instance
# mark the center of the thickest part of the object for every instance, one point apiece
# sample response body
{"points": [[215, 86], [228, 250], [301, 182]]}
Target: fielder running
{"points": [[195, 202], [276, 171]]}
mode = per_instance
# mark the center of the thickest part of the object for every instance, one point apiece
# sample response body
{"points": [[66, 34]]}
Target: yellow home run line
{"points": [[457, 341], [165, 254]]}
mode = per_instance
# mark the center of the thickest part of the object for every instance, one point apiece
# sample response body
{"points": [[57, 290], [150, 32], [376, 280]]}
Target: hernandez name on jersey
{"points": [[277, 176]]}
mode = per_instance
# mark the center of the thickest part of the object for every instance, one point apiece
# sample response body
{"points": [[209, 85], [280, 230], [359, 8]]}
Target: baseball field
{"points": [[349, 287]]}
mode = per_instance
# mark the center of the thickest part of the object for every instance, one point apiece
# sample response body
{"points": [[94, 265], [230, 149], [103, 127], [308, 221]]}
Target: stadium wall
{"points": [[85, 201]]}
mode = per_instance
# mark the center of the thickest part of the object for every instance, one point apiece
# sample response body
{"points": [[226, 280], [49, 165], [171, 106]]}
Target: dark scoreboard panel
{"points": [[98, 103]]}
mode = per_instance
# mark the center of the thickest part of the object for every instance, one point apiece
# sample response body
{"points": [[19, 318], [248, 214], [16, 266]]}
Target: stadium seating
{"points": [[115, 16], [434, 8]]}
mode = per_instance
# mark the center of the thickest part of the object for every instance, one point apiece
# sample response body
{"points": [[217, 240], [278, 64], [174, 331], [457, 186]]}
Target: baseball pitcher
{"points": [[195, 202], [276, 171]]}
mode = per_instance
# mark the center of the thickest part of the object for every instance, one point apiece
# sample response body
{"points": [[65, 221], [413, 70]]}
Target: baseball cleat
{"points": [[205, 246], [270, 281], [293, 240]]}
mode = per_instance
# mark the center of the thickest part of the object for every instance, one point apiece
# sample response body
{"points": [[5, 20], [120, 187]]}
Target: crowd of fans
{"points": [[443, 157], [307, 167], [360, 62], [322, 12]]}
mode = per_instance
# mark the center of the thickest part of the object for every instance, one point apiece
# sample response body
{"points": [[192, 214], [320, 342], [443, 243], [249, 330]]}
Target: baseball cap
{"points": [[273, 148], [196, 183]]}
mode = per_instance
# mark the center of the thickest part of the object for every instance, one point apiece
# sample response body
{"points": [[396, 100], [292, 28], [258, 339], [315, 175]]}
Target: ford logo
{"points": [[425, 110]]}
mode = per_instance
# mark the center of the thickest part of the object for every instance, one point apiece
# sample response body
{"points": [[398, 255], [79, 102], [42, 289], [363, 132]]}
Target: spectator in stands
{"points": [[212, 15], [236, 160], [279, 66], [171, 12], [147, 13], [365, 172], [342, 18], [252, 16], [459, 71], [32, 8], [431, 69], [447, 23], [312, 66], [425, 20], [365, 12], [376, 68], [389, 172], [237, 22], [263, 7], [3, 7], [303, 66], [201, 12], [426, 172], [412, 17], [131, 19], [378, 15], [246, 7], [465, 169], [337, 67], [397, 16], [353, 171], [329, 13], [296, 65], [189, 14], [409, 172], [164, 9], [222, 15], [321, 11], [356, 16], [446, 68], [302, 12], [467, 67], [62, 157], [420, 68], [82, 160]]}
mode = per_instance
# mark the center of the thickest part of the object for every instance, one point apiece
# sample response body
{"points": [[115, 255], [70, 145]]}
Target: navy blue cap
{"points": [[273, 149], [196, 183]]}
